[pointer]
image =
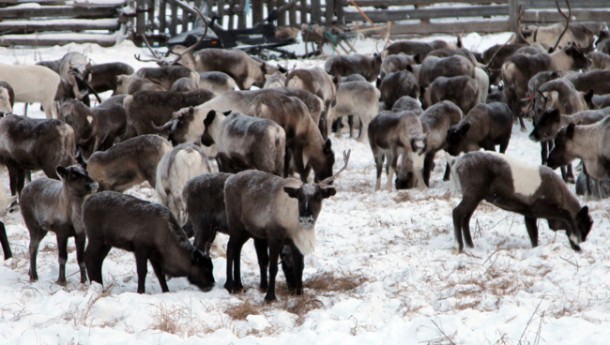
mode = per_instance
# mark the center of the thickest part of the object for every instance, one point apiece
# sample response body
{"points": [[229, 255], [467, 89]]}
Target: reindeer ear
{"points": [[209, 118], [409, 68], [227, 113], [61, 171], [570, 130], [292, 192], [417, 58], [327, 192]]}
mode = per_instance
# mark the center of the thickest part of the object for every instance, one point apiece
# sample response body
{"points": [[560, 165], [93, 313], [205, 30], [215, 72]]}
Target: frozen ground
{"points": [[384, 272]]}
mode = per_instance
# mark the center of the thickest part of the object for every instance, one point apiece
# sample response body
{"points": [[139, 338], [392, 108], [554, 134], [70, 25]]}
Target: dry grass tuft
{"points": [[301, 305], [242, 310], [166, 320], [402, 197], [327, 282]]}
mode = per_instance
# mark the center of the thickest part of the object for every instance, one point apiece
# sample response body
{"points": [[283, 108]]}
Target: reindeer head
{"points": [[76, 180], [547, 126], [560, 154]]}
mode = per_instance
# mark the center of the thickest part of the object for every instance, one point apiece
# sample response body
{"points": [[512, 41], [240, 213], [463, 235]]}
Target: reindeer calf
{"points": [[51, 205]]}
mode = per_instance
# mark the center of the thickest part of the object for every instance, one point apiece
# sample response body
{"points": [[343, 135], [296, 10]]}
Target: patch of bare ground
{"points": [[324, 284]]}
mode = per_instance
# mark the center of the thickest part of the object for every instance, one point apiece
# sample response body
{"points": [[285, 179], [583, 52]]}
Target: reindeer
{"points": [[531, 190], [50, 205], [263, 205], [303, 139]]}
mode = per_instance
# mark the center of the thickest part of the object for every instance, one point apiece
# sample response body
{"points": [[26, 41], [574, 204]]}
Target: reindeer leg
{"points": [[391, 168], [461, 219], [158, 268], [4, 241], [263, 261], [141, 268], [79, 240], [94, 258], [532, 230], [428, 166], [36, 235], [379, 157], [447, 172], [275, 247], [62, 249]]}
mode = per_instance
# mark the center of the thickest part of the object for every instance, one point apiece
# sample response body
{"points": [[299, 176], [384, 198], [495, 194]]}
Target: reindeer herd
{"points": [[273, 151]]}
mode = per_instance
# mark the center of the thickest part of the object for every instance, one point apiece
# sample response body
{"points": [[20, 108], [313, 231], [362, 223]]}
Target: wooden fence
{"points": [[164, 18], [52, 22], [106, 21]]}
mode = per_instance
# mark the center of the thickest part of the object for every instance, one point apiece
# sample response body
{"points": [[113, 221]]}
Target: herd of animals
{"points": [[267, 141]]}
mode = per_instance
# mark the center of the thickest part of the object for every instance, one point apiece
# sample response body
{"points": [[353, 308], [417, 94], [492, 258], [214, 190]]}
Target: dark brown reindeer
{"points": [[534, 191], [96, 128], [485, 126], [148, 230], [32, 144], [552, 121], [397, 84], [56, 206], [463, 91], [344, 65], [147, 111], [266, 206], [245, 142]]}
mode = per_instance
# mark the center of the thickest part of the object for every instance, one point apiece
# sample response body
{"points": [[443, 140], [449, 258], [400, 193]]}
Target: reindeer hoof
{"points": [[269, 299], [61, 282]]}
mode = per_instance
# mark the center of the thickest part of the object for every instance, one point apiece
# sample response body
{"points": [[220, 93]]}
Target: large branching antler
{"points": [[567, 17], [196, 44], [155, 57], [329, 180]]}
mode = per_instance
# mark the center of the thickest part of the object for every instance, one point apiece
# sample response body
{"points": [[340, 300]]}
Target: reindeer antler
{"points": [[328, 180], [567, 17], [155, 56], [194, 46]]}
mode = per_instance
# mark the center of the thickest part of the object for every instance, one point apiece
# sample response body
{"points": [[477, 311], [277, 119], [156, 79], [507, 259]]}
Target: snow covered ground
{"points": [[384, 271]]}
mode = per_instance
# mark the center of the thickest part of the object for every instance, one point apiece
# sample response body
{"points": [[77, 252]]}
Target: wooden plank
{"points": [[162, 16], [550, 4], [29, 26], [329, 12], [551, 16], [173, 28], [140, 20], [257, 11], [316, 12], [59, 11], [423, 3], [429, 13], [53, 40], [450, 28], [304, 10]]}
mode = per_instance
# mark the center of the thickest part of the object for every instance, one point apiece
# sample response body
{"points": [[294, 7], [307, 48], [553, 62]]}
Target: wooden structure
{"points": [[52, 22], [408, 17]]}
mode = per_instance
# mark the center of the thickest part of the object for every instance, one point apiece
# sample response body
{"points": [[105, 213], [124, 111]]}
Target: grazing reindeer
{"points": [[51, 205], [205, 205], [263, 205], [147, 229], [531, 190], [392, 135]]}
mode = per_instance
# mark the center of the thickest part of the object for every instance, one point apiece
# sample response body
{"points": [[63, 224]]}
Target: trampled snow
{"points": [[384, 270]]}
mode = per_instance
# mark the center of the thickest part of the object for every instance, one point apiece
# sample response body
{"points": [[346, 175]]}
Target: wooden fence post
{"points": [[513, 9]]}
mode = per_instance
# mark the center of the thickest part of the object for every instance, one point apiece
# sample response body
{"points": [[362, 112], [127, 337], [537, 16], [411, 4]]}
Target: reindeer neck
{"points": [[589, 141], [560, 61]]}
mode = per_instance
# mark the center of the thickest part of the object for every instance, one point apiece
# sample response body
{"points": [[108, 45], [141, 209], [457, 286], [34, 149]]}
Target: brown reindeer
{"points": [[531, 190]]}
